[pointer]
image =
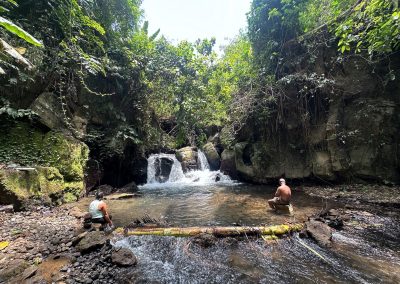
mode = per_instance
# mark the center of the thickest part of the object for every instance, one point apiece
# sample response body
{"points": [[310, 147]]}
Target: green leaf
{"points": [[4, 46], [3, 9], [11, 27], [13, 2]]}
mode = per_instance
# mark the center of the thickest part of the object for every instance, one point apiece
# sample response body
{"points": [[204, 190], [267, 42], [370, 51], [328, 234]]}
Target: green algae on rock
{"points": [[17, 186], [58, 163]]}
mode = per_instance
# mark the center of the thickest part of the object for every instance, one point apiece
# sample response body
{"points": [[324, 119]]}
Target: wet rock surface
{"points": [[163, 167], [123, 257], [356, 195], [212, 156], [91, 241], [205, 240], [320, 232], [44, 247], [188, 158]]}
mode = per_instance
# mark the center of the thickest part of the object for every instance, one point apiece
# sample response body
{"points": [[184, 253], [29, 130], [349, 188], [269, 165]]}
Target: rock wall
{"points": [[56, 161], [337, 120]]}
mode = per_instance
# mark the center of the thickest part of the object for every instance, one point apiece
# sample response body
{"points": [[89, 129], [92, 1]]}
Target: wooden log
{"points": [[216, 231]]}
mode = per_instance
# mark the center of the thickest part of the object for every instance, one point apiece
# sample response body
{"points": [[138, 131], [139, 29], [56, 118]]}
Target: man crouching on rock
{"points": [[282, 195], [98, 210]]}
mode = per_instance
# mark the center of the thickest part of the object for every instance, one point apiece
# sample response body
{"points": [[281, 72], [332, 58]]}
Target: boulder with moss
{"points": [[58, 159], [188, 158], [212, 156], [18, 186]]}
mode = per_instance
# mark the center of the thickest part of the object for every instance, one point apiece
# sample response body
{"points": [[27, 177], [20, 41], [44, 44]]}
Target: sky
{"points": [[193, 19]]}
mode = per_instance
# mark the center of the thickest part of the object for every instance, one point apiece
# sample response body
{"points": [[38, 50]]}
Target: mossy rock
{"points": [[188, 158], [27, 144], [212, 155], [17, 186], [67, 154]]}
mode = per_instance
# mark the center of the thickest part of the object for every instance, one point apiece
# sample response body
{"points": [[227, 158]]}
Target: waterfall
{"points": [[166, 170], [176, 169], [203, 163]]}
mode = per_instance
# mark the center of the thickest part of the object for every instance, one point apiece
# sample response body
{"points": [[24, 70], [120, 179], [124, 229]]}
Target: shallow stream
{"points": [[367, 252]]}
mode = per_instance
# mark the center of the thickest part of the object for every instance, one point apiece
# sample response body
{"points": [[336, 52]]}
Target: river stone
{"points": [[128, 188], [76, 212], [228, 165], [163, 168], [91, 241], [123, 257], [7, 208], [105, 189], [212, 156], [29, 272], [12, 269], [205, 240], [320, 232], [188, 158]]}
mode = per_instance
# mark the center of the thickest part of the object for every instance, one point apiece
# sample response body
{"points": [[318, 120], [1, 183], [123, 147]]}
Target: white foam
{"points": [[177, 178]]}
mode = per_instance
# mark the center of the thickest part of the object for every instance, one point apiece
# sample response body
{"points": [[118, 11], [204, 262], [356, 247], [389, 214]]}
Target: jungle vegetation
{"points": [[66, 46]]}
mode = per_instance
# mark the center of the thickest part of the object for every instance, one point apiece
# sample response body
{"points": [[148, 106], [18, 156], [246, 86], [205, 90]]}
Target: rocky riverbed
{"points": [[356, 195], [50, 246]]}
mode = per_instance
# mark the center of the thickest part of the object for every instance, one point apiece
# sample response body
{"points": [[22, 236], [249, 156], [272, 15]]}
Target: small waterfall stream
{"points": [[153, 167], [203, 163]]}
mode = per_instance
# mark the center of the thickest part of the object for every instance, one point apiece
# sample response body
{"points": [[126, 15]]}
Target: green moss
{"points": [[68, 155], [50, 181], [59, 161], [69, 197], [20, 142]]}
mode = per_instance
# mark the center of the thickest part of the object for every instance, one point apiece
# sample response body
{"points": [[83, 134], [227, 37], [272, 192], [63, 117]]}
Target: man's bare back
{"points": [[284, 193]]}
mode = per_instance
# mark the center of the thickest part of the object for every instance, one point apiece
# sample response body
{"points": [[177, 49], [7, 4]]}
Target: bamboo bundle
{"points": [[216, 231]]}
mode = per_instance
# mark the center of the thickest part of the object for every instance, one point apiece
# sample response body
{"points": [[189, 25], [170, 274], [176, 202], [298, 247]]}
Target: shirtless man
{"points": [[282, 195], [98, 210]]}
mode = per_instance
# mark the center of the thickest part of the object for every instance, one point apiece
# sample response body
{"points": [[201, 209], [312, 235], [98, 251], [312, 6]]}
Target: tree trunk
{"points": [[216, 231]]}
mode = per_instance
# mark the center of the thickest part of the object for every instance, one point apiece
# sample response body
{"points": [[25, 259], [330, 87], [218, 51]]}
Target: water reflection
{"points": [[358, 256], [209, 205]]}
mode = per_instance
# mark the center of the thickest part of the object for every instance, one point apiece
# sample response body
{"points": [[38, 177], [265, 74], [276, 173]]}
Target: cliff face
{"points": [[337, 119]]}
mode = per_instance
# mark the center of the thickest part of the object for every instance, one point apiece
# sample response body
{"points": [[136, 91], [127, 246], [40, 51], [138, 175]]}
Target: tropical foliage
{"points": [[104, 49]]}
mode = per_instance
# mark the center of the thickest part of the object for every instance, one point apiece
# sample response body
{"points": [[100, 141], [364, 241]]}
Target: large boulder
{"points": [[320, 232], [33, 145], [123, 257], [188, 157], [212, 156], [243, 160], [17, 186], [10, 269], [128, 188], [47, 106], [228, 164], [91, 241], [260, 162], [163, 166]]}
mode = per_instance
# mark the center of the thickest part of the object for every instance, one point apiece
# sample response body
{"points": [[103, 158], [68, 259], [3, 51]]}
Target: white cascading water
{"points": [[203, 163], [176, 170], [203, 176]]}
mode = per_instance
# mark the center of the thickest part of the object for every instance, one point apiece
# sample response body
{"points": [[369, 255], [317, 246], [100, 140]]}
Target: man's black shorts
{"points": [[100, 220]]}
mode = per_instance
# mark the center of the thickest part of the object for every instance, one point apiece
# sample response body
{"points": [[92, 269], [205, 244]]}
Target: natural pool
{"points": [[359, 254]]}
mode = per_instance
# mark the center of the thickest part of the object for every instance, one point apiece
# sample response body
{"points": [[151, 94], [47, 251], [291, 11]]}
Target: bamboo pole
{"points": [[216, 231]]}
